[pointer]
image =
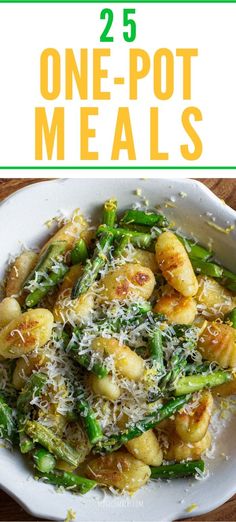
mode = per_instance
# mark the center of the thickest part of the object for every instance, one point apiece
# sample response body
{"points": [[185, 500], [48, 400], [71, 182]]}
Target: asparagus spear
{"points": [[138, 239], [44, 461], [109, 212], [187, 342], [172, 471], [79, 253], [140, 217], [32, 389], [206, 268], [46, 262], [140, 228], [69, 481], [92, 426], [53, 279], [47, 438], [156, 349], [123, 242], [231, 316], [193, 383], [7, 422], [93, 266], [150, 421], [195, 250], [84, 360]]}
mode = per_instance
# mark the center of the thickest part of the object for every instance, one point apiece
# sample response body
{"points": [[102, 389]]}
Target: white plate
{"points": [[22, 218]]}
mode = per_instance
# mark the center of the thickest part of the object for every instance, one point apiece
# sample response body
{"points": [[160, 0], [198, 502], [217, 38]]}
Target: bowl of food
{"points": [[118, 349]]}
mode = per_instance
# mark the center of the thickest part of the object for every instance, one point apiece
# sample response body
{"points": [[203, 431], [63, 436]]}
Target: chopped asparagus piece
{"points": [[109, 212], [92, 426], [47, 438], [140, 217], [46, 261], [50, 282], [206, 268], [172, 471], [79, 253], [44, 461], [138, 239], [193, 383], [69, 481], [93, 266]]}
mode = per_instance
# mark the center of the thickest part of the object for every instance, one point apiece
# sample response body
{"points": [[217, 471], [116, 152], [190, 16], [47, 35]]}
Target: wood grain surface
{"points": [[9, 510]]}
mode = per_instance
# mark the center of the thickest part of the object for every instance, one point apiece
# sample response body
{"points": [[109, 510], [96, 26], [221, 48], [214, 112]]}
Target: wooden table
{"points": [[9, 510]]}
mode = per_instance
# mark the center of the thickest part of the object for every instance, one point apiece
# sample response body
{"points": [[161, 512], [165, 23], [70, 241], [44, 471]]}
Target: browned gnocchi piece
{"points": [[29, 331], [175, 264], [192, 427], [120, 470], [129, 279], [218, 343], [213, 299], [179, 450], [176, 307]]}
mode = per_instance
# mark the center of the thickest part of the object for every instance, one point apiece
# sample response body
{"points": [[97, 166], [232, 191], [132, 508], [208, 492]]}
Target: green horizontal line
{"points": [[117, 1], [74, 167]]}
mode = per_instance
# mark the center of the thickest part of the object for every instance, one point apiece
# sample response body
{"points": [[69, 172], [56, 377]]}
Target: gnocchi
{"points": [[146, 448], [18, 273], [192, 427], [106, 387], [179, 450], [213, 299], [22, 335], [146, 259], [175, 265], [218, 343], [126, 361], [176, 307], [120, 470], [9, 310], [129, 279]]}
